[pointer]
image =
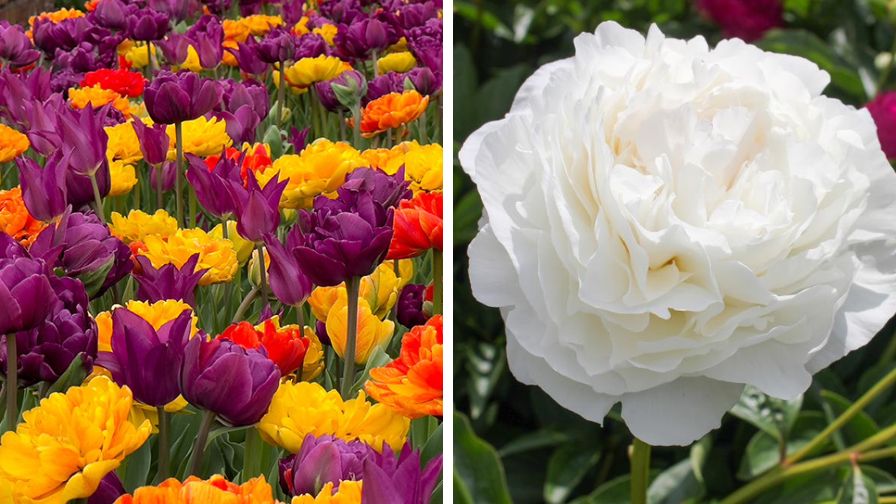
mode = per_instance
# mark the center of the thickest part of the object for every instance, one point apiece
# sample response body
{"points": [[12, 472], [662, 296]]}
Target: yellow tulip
{"points": [[372, 333], [307, 71], [139, 224], [400, 62], [305, 408], [123, 178], [69, 443], [216, 255], [242, 246], [349, 493], [319, 169], [202, 137]]}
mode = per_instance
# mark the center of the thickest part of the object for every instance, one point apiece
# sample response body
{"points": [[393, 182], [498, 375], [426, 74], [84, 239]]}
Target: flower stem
{"points": [[356, 120], [178, 183], [780, 474], [281, 93], [352, 286], [148, 59], [640, 471], [12, 385], [247, 302], [263, 275], [251, 454], [164, 448], [97, 199], [160, 173], [843, 419], [300, 315], [437, 281], [208, 417]]}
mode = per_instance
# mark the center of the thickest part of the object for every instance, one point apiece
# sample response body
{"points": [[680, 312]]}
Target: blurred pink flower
{"points": [[744, 19], [883, 110]]}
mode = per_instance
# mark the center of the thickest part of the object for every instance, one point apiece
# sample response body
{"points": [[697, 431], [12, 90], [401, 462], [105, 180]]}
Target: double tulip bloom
{"points": [[418, 226], [233, 382], [285, 346], [173, 98], [348, 236]]}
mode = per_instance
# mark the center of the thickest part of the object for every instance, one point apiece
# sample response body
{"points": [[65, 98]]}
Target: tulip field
{"points": [[221, 253], [675, 251]]}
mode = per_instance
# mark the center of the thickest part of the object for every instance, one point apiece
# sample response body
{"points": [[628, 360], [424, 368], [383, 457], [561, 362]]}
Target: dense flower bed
{"points": [[220, 252]]}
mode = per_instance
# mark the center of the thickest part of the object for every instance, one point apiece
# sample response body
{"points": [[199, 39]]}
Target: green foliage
{"points": [[547, 454]]}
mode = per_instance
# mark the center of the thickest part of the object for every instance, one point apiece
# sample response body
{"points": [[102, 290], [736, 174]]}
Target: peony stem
{"points": [[437, 281], [208, 417], [856, 407], [178, 183], [860, 452], [164, 448], [640, 471], [12, 384], [352, 286], [97, 199]]}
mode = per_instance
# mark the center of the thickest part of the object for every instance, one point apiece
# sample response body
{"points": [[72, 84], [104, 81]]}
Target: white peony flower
{"points": [[665, 223]]}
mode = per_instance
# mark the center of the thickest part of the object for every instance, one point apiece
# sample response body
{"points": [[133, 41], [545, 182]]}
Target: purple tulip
{"points": [[16, 49], [113, 14], [348, 236], [391, 82], [411, 306], [240, 125], [154, 142], [299, 138], [169, 173], [425, 43], [292, 11], [174, 47], [43, 189], [361, 37], [65, 35], [148, 25], [386, 190], [212, 186], [207, 37], [20, 93], [235, 383], [320, 329], [169, 281], [247, 92], [351, 79], [399, 480], [177, 10], [311, 45], [287, 280], [26, 293], [85, 138], [257, 209], [88, 251], [146, 360], [322, 460], [218, 7], [248, 58], [278, 46], [425, 81], [47, 351], [172, 98], [343, 11], [109, 491]]}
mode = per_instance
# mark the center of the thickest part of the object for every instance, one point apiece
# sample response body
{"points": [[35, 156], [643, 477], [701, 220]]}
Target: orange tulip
{"points": [[417, 226], [285, 346], [15, 219], [412, 383], [215, 490], [392, 111]]}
